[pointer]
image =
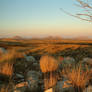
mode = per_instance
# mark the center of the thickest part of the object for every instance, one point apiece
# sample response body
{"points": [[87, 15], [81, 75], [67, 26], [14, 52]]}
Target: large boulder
{"points": [[32, 83], [33, 79]]}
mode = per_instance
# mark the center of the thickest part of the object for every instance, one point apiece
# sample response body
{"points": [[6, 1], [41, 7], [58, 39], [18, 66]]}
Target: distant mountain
{"points": [[17, 38], [12, 38], [82, 38], [53, 38]]}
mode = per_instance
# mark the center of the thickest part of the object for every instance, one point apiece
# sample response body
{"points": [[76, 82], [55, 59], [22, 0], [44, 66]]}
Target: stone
{"points": [[63, 86], [68, 61], [30, 58], [87, 61], [20, 87], [19, 75], [33, 81], [2, 50]]}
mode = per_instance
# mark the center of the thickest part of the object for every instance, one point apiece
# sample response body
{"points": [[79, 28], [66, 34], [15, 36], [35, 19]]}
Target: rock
{"points": [[2, 50], [20, 66], [20, 87], [33, 75], [63, 86], [36, 66], [59, 86], [68, 61], [87, 61], [30, 58], [33, 81], [19, 76]]}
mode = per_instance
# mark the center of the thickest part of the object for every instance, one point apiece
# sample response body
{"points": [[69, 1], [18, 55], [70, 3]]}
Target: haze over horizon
{"points": [[41, 18]]}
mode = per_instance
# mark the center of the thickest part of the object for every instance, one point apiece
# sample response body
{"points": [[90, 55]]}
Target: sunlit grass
{"points": [[77, 77], [7, 60], [53, 48], [49, 65]]}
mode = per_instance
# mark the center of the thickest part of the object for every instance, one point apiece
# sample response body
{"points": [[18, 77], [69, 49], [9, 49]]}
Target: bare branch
{"points": [[86, 15], [77, 16]]}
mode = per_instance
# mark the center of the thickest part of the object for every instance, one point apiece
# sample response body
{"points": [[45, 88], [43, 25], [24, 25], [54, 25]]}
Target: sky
{"points": [[41, 18]]}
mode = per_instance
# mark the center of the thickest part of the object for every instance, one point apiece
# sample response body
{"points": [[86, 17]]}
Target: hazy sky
{"points": [[41, 18]]}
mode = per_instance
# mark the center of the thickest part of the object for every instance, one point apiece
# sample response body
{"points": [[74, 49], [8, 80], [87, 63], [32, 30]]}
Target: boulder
{"points": [[33, 81]]}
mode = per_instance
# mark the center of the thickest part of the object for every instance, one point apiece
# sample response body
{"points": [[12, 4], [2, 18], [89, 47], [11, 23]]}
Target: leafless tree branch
{"points": [[86, 6]]}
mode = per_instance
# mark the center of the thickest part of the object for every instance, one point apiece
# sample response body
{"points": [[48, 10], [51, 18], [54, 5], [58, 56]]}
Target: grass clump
{"points": [[49, 65], [6, 63], [77, 77]]}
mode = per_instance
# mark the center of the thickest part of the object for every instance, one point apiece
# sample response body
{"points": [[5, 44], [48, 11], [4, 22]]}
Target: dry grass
{"points": [[48, 63], [50, 80], [52, 48], [41, 46], [77, 77], [7, 88], [7, 60], [6, 69], [6, 63]]}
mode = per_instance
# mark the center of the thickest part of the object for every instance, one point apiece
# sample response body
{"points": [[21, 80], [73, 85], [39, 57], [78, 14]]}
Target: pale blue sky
{"points": [[39, 18]]}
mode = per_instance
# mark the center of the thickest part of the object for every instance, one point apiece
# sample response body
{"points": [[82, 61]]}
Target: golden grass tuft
{"points": [[6, 69], [6, 63], [8, 56], [50, 80], [77, 77], [7, 60], [48, 64]]}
